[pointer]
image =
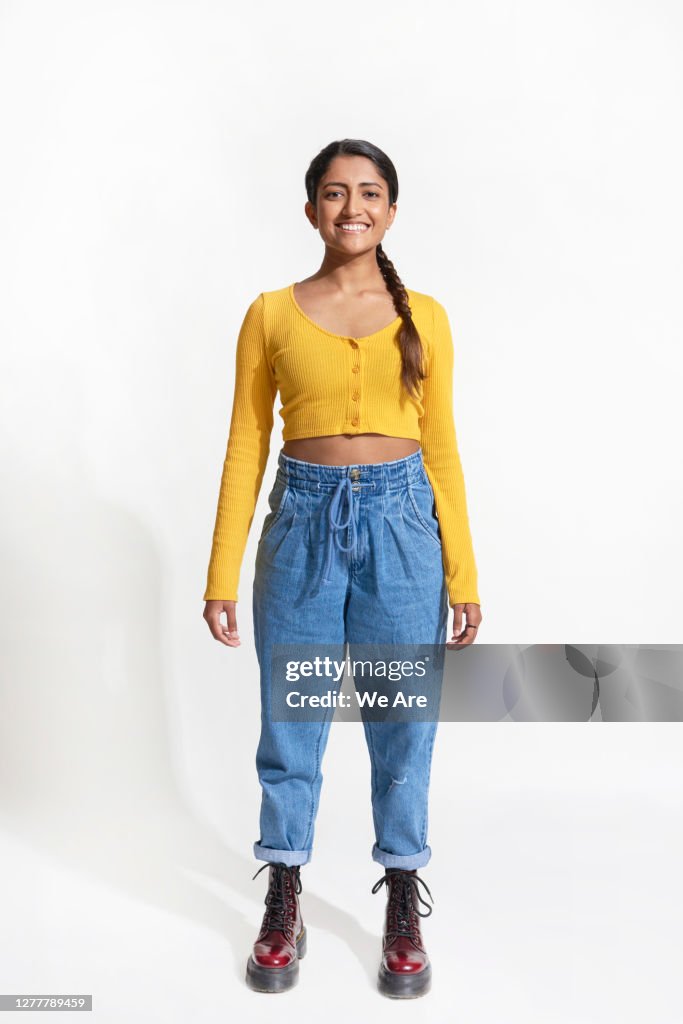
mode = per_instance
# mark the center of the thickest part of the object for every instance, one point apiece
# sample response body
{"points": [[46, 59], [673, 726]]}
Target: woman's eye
{"points": [[328, 195]]}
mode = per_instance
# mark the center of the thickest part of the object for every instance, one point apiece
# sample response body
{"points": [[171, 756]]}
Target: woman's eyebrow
{"points": [[343, 184]]}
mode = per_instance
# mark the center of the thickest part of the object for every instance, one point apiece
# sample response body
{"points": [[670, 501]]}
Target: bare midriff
{"points": [[350, 449]]}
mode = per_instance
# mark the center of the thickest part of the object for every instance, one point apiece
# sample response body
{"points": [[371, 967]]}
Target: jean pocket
{"points": [[423, 506], [277, 500]]}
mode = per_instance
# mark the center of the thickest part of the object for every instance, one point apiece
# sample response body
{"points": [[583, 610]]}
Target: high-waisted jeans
{"points": [[347, 554]]}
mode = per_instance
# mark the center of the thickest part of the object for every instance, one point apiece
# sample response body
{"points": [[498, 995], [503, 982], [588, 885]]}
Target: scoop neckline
{"points": [[331, 334]]}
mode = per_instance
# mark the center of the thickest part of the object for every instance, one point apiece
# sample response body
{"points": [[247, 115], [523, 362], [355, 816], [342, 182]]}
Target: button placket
{"points": [[355, 395]]}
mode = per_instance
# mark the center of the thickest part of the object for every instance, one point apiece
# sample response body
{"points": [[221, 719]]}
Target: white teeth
{"points": [[354, 227]]}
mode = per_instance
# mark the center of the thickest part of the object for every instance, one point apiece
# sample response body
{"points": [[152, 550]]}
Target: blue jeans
{"points": [[347, 554]]}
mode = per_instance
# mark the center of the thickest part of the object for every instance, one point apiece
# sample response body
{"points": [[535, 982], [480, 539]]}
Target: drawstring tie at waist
{"points": [[343, 490]]}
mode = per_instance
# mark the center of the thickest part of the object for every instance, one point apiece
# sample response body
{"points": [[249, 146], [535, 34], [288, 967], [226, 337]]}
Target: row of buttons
{"points": [[355, 396]]}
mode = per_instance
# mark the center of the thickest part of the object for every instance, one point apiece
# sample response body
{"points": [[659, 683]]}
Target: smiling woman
{"points": [[367, 538]]}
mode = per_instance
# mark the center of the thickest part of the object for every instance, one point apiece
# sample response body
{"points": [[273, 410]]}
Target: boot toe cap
{"points": [[401, 962], [273, 956]]}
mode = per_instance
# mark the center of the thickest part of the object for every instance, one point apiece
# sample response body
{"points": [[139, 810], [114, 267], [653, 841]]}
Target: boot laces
{"points": [[278, 906], [403, 891]]}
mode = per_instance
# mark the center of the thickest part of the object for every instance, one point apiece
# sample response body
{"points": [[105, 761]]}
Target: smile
{"points": [[353, 227]]}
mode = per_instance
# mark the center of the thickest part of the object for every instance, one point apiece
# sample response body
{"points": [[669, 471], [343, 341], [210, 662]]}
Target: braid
{"points": [[409, 341]]}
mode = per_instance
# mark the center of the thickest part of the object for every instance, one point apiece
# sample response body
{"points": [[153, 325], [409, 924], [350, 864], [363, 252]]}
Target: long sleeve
{"points": [[251, 425], [442, 463]]}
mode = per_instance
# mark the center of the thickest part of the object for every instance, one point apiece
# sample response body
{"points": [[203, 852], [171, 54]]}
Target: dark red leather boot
{"points": [[405, 970], [273, 965]]}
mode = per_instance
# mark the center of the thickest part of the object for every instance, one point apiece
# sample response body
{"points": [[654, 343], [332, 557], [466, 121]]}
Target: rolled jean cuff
{"points": [[291, 858], [407, 863]]}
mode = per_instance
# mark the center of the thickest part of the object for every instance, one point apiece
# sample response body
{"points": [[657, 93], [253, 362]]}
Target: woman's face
{"points": [[352, 192]]}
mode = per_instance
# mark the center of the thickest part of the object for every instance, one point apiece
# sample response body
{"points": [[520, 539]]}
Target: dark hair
{"points": [[409, 341]]}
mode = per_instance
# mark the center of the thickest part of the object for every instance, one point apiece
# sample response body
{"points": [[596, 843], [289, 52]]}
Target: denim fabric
{"points": [[347, 554]]}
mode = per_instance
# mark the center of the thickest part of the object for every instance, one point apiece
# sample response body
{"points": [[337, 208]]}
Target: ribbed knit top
{"points": [[336, 384]]}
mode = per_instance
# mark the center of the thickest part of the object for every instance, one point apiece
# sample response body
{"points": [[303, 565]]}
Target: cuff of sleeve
{"points": [[218, 594], [457, 596]]}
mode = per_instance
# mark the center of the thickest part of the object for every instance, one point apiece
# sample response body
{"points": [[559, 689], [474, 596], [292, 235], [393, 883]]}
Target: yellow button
{"points": [[354, 344], [355, 396], [355, 369], [355, 421]]}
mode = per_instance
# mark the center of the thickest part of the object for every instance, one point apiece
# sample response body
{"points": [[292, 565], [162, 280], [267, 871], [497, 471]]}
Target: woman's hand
{"points": [[464, 635], [228, 635]]}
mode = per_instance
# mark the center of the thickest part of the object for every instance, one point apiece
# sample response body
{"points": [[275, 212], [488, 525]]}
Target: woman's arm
{"points": [[251, 425], [442, 463]]}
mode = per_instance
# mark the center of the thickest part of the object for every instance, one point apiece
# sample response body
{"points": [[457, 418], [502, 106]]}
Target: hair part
{"points": [[410, 343]]}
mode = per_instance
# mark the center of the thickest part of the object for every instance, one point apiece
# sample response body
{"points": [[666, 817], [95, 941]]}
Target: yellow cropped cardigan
{"points": [[336, 384]]}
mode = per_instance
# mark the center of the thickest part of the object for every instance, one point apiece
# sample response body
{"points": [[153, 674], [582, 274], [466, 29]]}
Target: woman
{"points": [[367, 539]]}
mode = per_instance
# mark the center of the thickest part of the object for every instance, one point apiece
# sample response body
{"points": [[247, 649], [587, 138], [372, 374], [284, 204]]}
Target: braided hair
{"points": [[410, 344]]}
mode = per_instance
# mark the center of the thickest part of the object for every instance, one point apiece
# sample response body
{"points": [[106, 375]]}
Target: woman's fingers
{"points": [[464, 633], [231, 630], [227, 634]]}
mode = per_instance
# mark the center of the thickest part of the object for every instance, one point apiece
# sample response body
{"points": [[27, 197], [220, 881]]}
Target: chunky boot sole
{"points": [[276, 979], [404, 986]]}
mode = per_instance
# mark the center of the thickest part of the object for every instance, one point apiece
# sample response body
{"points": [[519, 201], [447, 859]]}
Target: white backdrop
{"points": [[151, 187]]}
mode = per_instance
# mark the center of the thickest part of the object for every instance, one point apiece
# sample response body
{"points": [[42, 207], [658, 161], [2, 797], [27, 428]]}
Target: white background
{"points": [[152, 185]]}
